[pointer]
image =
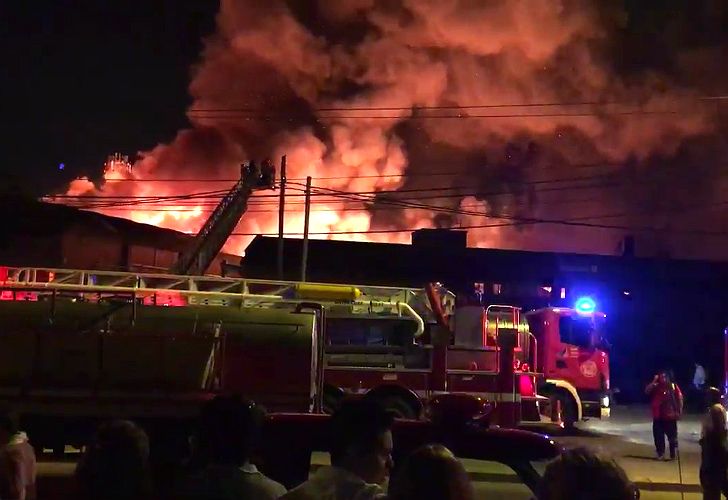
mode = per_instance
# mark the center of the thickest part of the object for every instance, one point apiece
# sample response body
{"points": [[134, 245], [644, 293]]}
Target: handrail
{"points": [[24, 277]]}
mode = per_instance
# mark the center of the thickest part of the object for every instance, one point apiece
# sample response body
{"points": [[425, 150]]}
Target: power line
{"points": [[494, 225], [450, 188], [579, 221], [376, 176], [376, 196], [219, 193], [514, 219], [288, 117], [384, 176], [715, 98], [344, 209], [209, 207]]}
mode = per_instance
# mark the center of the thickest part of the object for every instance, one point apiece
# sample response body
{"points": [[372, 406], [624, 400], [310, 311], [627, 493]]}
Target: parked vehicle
{"points": [[573, 356]]}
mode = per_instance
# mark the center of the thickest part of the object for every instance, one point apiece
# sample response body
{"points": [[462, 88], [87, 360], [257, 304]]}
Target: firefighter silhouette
{"points": [[247, 170], [267, 174]]}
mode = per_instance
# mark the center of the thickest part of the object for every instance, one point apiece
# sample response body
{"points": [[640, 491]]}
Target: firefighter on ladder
{"points": [[267, 174], [247, 170], [262, 176]]}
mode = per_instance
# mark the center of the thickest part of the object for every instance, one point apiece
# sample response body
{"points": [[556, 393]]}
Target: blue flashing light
{"points": [[61, 166], [585, 305]]}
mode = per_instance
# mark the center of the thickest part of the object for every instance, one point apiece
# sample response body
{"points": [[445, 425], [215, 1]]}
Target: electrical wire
{"points": [[379, 176], [713, 98], [496, 225], [288, 117]]}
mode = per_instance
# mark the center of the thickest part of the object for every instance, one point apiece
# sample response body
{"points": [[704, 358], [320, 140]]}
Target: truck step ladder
{"points": [[221, 223]]}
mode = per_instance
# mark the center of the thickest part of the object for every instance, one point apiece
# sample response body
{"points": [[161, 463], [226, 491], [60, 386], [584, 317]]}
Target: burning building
{"points": [[48, 235]]}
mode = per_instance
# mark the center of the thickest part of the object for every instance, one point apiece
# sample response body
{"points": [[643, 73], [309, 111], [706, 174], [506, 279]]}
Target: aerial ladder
{"points": [[217, 229], [167, 290]]}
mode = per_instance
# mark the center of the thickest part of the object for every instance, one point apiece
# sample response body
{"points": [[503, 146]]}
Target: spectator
{"points": [[228, 430], [698, 388], [361, 456], [431, 473], [116, 464], [17, 460], [699, 377], [714, 455], [714, 401], [580, 474], [666, 401]]}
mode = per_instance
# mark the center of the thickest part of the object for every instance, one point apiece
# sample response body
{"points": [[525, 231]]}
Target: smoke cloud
{"points": [[374, 96]]}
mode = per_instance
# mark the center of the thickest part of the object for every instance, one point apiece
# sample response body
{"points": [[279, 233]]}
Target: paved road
{"points": [[627, 436]]}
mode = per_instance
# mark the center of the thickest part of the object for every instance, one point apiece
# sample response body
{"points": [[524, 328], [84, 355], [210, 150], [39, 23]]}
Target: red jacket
{"points": [[666, 401]]}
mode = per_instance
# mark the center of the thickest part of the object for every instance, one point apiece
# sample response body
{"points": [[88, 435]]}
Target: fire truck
{"points": [[80, 346], [573, 355], [486, 352]]}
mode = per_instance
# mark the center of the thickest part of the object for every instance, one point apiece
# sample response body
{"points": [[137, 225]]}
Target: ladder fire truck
{"points": [[79, 346]]}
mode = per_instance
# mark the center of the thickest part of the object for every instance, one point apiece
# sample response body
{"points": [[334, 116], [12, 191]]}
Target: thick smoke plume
{"points": [[373, 96]]}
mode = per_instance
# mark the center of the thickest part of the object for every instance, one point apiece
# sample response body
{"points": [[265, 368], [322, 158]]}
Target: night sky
{"points": [[84, 79]]}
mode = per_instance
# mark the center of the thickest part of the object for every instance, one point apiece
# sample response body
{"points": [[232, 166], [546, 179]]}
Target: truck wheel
{"points": [[568, 410], [331, 401], [399, 407], [59, 450]]}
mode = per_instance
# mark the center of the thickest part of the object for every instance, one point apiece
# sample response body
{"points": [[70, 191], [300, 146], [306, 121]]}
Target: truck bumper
{"points": [[595, 409]]}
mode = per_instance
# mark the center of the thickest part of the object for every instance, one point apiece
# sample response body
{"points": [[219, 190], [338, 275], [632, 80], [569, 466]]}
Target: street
{"points": [[626, 436]]}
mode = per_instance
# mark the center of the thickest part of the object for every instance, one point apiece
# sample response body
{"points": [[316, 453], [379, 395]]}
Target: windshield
{"points": [[579, 331]]}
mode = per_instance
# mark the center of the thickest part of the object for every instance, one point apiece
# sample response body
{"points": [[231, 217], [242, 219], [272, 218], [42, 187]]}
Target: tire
{"points": [[59, 450], [400, 407], [568, 410], [331, 400]]}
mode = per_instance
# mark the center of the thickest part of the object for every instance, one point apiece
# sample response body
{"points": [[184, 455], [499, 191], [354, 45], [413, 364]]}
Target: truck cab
{"points": [[483, 351], [573, 356]]}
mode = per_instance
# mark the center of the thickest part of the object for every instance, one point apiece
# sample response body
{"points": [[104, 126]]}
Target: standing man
{"points": [[229, 429], [361, 456], [17, 460], [699, 380], [714, 448], [699, 377], [666, 402]]}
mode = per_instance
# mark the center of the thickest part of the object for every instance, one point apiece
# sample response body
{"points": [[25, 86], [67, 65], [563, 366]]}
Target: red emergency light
{"points": [[526, 386], [165, 300]]}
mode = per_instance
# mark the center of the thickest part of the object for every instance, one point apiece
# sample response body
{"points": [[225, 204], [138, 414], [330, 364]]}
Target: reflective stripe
{"points": [[497, 397]]}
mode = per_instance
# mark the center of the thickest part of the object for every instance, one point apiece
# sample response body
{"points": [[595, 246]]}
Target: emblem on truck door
{"points": [[588, 369]]}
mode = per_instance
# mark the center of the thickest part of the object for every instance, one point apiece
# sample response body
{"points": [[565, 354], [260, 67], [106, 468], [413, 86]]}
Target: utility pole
{"points": [[307, 215], [281, 210]]}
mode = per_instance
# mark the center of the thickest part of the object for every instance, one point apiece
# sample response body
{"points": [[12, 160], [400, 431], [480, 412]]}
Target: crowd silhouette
{"points": [[221, 465]]}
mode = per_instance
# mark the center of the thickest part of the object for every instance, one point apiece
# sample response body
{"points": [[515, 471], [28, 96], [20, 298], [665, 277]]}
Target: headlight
{"points": [[605, 401]]}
